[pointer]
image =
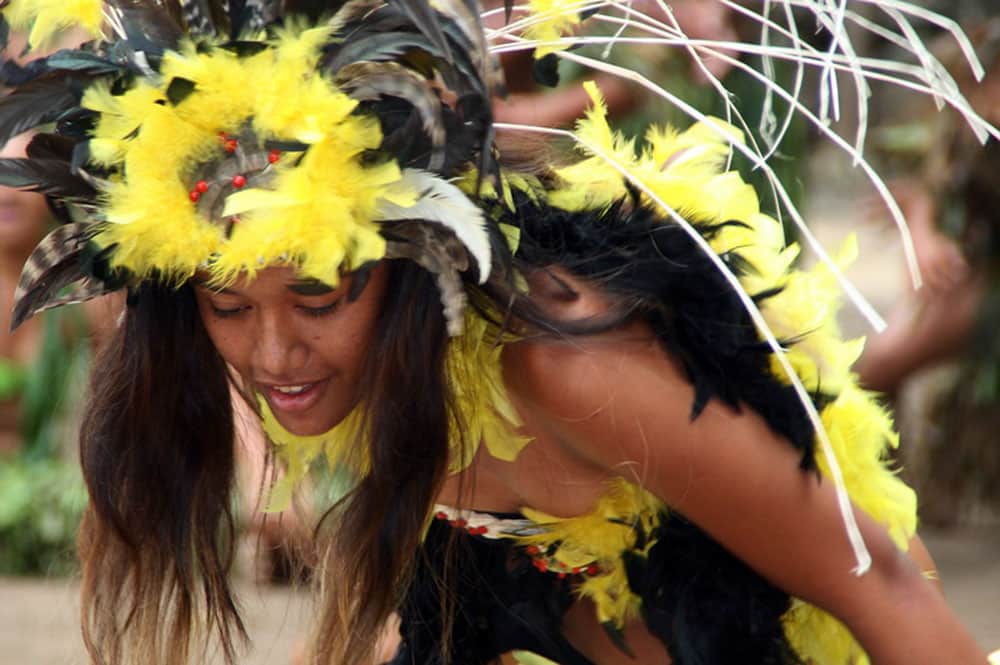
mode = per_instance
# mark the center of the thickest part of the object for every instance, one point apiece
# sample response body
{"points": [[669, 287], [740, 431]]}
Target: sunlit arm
{"points": [[623, 403]]}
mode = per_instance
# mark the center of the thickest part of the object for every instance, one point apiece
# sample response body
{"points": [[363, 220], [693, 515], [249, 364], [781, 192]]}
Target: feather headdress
{"points": [[200, 138]]}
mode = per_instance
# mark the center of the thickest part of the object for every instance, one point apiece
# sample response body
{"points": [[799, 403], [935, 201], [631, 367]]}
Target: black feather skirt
{"points": [[705, 605]]}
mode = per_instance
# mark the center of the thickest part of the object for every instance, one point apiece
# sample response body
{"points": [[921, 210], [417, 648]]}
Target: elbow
{"points": [[893, 589]]}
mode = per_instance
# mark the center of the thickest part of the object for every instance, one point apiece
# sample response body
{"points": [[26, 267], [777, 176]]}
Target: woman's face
{"points": [[298, 343]]}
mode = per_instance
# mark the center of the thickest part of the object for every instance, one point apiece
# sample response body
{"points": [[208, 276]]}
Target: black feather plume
{"points": [[380, 47], [82, 61], [144, 30], [51, 268], [426, 21], [13, 73], [36, 103], [369, 80], [52, 177], [51, 146]]}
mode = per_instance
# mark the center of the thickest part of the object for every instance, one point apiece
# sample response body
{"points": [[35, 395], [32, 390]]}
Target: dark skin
{"points": [[596, 410]]}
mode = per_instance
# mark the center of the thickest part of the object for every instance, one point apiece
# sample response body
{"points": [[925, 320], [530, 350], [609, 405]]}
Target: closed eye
{"points": [[322, 310], [227, 312]]}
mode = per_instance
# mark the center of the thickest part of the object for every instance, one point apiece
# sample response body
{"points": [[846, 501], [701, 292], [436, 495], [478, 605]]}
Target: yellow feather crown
{"points": [[313, 207]]}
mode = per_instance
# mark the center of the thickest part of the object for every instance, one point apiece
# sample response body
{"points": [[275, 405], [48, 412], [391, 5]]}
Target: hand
{"points": [[941, 263], [939, 258]]}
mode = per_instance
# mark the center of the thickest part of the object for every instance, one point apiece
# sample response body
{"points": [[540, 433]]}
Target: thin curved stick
{"points": [[957, 102], [859, 301]]}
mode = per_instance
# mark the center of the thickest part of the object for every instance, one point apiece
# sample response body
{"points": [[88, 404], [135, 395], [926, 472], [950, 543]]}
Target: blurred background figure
{"points": [[43, 368], [530, 103], [42, 371], [950, 195]]}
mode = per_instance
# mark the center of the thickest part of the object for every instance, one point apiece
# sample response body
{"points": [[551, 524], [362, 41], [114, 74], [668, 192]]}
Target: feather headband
{"points": [[181, 151]]}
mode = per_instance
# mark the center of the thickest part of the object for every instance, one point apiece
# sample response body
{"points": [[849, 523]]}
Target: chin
{"points": [[318, 420], [305, 426]]}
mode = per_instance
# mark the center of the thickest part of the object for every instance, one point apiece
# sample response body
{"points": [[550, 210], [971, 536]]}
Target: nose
{"points": [[278, 351]]}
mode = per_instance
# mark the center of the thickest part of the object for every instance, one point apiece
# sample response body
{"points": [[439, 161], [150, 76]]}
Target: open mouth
{"points": [[294, 398]]}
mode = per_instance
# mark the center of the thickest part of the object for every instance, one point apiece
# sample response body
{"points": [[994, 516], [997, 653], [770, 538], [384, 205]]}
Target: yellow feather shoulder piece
{"points": [[685, 170], [594, 543]]}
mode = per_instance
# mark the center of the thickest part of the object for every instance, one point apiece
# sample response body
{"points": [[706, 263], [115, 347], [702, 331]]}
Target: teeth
{"points": [[293, 390]]}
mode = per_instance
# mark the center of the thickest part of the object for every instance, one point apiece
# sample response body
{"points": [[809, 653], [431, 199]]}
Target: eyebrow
{"points": [[310, 287], [204, 284], [303, 287]]}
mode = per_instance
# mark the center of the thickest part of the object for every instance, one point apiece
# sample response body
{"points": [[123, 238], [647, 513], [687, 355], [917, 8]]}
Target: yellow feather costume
{"points": [[685, 170], [160, 138]]}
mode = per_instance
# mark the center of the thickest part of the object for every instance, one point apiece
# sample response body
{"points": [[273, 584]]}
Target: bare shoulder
{"points": [[572, 379]]}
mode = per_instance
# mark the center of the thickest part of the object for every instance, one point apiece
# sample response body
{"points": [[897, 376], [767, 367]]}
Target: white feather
{"points": [[442, 202]]}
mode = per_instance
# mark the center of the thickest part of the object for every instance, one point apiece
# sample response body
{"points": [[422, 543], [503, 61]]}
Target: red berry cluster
{"points": [[560, 569], [463, 524], [239, 181]]}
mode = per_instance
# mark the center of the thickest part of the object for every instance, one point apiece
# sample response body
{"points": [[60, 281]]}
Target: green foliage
{"points": [[41, 503]]}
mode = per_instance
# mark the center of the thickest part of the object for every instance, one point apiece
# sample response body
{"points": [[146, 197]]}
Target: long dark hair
{"points": [[371, 537], [157, 452]]}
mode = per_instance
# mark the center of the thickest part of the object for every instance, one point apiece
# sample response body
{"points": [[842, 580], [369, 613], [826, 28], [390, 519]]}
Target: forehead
{"points": [[271, 280]]}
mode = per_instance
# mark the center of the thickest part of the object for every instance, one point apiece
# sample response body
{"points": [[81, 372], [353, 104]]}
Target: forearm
{"points": [[923, 628], [925, 562]]}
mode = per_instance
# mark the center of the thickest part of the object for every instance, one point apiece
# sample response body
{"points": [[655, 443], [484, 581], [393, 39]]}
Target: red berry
{"points": [[533, 550], [231, 145], [540, 565], [201, 186], [592, 569], [274, 156], [562, 576], [194, 195], [239, 181], [441, 515]]}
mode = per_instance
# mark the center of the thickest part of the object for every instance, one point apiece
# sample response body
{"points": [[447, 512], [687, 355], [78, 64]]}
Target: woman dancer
{"points": [[552, 387]]}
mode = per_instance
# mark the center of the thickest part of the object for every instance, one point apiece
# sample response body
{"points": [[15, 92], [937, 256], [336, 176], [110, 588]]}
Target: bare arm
{"points": [[624, 404]]}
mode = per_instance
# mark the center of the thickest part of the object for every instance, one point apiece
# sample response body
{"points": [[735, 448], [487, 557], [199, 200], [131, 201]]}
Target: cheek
{"points": [[229, 340], [233, 348], [345, 344]]}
